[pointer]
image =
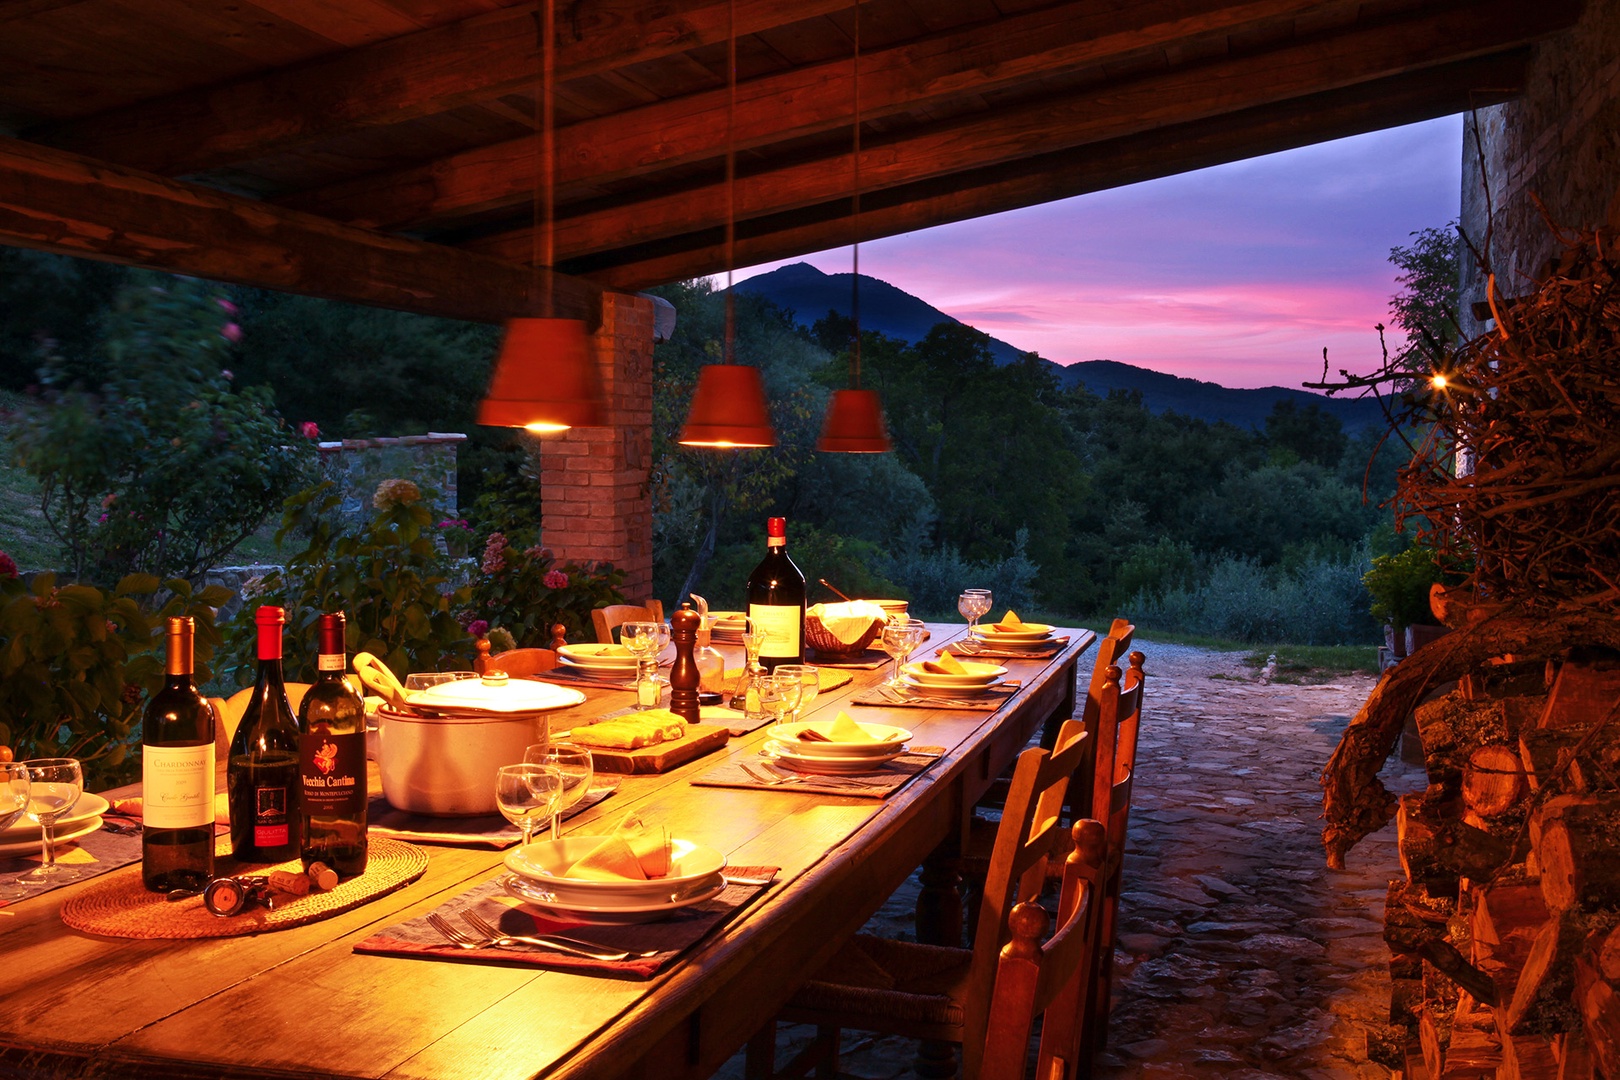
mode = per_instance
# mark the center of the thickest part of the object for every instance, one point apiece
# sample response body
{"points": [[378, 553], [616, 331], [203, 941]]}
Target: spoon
{"points": [[376, 675], [840, 595]]}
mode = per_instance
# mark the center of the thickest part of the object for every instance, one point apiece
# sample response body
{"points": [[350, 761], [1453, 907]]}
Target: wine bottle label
{"points": [[781, 625], [333, 771], [271, 825], [330, 662], [177, 786]]}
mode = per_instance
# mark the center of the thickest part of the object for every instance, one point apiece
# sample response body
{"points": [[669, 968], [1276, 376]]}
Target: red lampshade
{"points": [[854, 424], [728, 409], [545, 378]]}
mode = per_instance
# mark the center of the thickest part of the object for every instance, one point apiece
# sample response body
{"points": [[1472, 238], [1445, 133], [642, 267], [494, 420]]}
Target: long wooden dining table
{"points": [[301, 1003]]}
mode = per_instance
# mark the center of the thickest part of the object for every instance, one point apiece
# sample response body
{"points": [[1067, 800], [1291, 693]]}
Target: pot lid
{"points": [[495, 692]]}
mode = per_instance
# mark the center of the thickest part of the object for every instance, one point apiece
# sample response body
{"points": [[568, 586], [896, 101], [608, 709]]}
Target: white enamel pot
{"points": [[445, 766]]}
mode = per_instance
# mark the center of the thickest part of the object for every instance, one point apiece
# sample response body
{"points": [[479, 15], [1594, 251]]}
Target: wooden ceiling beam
{"points": [[805, 101], [1337, 114], [55, 201], [1179, 95], [425, 73]]}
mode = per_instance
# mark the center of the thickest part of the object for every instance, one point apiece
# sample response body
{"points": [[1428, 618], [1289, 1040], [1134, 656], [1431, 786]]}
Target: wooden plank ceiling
{"points": [[385, 151]]}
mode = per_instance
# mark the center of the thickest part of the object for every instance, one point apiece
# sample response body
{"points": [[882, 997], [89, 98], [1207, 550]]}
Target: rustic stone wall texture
{"points": [[1559, 143]]}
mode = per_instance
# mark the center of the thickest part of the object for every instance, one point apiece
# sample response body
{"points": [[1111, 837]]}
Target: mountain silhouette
{"points": [[808, 294]]}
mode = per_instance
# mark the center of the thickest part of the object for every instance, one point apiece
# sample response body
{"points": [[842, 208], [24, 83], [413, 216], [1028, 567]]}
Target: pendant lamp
{"points": [[854, 423], [728, 408], [545, 376]]}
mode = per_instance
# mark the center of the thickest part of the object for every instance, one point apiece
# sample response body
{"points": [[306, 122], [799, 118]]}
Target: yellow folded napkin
{"points": [[635, 851], [1010, 621], [845, 729], [945, 665]]}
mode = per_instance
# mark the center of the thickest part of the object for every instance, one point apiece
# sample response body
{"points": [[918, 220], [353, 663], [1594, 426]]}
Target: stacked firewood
{"points": [[1505, 933]]}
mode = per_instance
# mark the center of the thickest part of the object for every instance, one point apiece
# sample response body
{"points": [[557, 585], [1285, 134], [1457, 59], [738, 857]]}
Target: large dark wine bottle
{"points": [[177, 773], [332, 760], [776, 600], [262, 778]]}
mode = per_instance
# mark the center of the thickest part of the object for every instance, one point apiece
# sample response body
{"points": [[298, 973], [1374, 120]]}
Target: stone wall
{"points": [[359, 465], [1559, 142]]}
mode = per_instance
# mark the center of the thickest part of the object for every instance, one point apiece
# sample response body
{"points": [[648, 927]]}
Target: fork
{"points": [[552, 941], [461, 939], [769, 778]]}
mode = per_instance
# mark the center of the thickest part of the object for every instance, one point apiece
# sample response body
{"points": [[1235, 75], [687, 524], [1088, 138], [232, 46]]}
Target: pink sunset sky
{"points": [[1238, 274]]}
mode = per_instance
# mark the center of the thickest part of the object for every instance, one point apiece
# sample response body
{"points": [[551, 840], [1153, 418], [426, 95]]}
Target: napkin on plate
{"points": [[1010, 621], [945, 665], [843, 729], [634, 851]]}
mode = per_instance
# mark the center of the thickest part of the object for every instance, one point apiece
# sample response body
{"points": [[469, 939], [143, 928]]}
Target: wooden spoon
{"points": [[376, 675]]}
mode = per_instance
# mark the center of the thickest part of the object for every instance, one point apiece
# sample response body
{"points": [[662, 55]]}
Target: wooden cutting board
{"points": [[699, 739]]}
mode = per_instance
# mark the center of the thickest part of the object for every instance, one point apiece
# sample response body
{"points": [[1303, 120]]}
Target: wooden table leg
{"points": [[939, 922]]}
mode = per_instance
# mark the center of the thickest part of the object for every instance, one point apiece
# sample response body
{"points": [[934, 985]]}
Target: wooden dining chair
{"points": [[1119, 704], [944, 993], [228, 716], [513, 661], [610, 618]]}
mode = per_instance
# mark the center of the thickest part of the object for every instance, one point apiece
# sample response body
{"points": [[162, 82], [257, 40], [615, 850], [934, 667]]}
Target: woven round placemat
{"points": [[118, 905]]}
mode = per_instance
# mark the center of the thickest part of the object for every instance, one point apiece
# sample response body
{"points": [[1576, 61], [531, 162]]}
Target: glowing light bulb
{"points": [[1438, 381]]}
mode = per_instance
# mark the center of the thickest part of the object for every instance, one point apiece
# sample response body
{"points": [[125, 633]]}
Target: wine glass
{"points": [[54, 785], [423, 680], [809, 684], [779, 694], [973, 603], [900, 636], [13, 801], [527, 794], [641, 638], [573, 763]]}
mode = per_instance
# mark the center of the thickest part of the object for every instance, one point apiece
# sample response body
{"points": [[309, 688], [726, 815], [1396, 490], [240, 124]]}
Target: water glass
{"points": [[779, 694], [573, 764], [809, 684], [13, 801], [642, 639], [54, 785], [973, 603], [900, 636], [528, 794]]}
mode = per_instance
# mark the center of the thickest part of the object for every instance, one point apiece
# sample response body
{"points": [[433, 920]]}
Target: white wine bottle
{"points": [[776, 600], [177, 773]]}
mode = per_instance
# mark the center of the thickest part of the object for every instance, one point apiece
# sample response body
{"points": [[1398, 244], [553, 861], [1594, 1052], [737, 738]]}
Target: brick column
{"points": [[594, 482]]}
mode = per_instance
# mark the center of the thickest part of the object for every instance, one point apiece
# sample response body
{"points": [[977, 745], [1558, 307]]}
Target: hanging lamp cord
{"points": [[855, 217], [729, 353], [542, 246]]}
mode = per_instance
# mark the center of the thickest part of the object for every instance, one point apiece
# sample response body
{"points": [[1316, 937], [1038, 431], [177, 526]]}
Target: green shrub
{"points": [[932, 578], [1399, 586], [77, 664], [1319, 603], [524, 592]]}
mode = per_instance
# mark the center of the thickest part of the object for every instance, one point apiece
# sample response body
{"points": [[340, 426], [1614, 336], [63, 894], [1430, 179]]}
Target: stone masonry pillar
{"points": [[595, 482]]}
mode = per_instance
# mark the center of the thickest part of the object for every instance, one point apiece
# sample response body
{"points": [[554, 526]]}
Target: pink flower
{"points": [[555, 579], [478, 627], [8, 566], [495, 553], [231, 332], [227, 374], [225, 305], [309, 430]]}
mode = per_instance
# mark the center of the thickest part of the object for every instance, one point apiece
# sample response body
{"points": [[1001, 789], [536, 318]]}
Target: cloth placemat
{"points": [[889, 698], [870, 660], [486, 830], [741, 725], [89, 856], [119, 905], [669, 936], [970, 648], [570, 677], [880, 783]]}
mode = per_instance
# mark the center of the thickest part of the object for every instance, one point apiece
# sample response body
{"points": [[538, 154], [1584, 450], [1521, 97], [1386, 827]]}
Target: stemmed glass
{"points": [[809, 684], [54, 785], [423, 680], [642, 639], [573, 764], [527, 794], [973, 603], [779, 694], [13, 801], [900, 636]]}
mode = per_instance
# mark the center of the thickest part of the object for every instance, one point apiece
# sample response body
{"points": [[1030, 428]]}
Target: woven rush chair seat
{"points": [[917, 989]]}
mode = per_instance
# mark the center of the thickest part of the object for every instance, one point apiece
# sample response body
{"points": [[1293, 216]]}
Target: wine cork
{"points": [[289, 881], [323, 877]]}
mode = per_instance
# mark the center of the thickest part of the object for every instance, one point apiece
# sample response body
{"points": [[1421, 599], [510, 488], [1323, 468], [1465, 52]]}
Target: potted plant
{"points": [[1399, 586]]}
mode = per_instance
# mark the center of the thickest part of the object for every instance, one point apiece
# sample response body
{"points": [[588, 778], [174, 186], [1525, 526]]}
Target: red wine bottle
{"points": [[776, 600], [262, 779], [177, 773], [332, 760]]}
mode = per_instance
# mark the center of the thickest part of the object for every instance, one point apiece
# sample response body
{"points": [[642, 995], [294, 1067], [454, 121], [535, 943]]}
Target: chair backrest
{"points": [[1053, 979], [1110, 651], [514, 661], [607, 619], [1025, 840], [1121, 709], [228, 716]]}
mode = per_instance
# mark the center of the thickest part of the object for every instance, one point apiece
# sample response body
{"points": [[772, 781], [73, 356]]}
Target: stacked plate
{"points": [[786, 745], [600, 661], [542, 881], [22, 837], [727, 626], [976, 679], [1027, 637]]}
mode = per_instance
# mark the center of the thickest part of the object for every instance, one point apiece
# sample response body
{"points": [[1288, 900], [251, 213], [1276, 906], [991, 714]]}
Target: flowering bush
{"points": [[523, 592], [77, 664]]}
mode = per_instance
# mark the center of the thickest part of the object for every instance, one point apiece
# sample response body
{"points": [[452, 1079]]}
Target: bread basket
{"points": [[828, 646]]}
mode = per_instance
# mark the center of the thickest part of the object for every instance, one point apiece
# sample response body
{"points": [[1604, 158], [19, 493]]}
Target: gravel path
{"points": [[1241, 956]]}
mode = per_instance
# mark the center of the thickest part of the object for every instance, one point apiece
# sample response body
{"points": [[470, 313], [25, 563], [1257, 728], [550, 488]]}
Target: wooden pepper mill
{"points": [[683, 676]]}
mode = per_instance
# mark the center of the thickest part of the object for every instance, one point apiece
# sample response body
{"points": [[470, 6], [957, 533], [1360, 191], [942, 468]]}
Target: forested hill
{"points": [[809, 294]]}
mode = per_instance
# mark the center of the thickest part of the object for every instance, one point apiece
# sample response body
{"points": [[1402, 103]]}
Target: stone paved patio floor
{"points": [[1241, 956]]}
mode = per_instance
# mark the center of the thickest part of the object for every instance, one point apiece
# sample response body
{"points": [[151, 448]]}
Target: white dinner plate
{"points": [[547, 862], [537, 896], [608, 670], [978, 674], [595, 652], [885, 739], [912, 686], [1028, 632], [828, 766], [90, 805], [33, 843], [1014, 643]]}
